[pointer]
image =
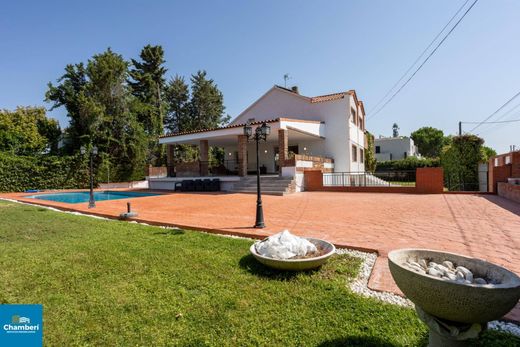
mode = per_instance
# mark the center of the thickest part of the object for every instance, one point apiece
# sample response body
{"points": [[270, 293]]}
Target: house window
{"points": [[508, 160], [378, 149], [354, 153], [353, 116], [361, 156], [496, 162], [360, 123]]}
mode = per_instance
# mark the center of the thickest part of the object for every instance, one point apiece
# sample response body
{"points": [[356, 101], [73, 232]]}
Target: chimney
{"points": [[295, 89]]}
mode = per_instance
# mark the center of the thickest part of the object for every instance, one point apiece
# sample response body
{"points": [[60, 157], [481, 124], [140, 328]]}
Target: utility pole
{"points": [[460, 128]]}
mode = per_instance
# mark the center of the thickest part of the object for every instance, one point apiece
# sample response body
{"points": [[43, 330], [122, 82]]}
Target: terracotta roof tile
{"points": [[219, 128], [328, 97]]}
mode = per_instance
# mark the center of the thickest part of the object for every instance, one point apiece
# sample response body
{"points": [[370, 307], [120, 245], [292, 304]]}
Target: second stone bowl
{"points": [[454, 301]]}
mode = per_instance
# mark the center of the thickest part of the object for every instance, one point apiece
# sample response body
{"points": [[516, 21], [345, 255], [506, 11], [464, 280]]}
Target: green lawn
{"points": [[109, 283]]}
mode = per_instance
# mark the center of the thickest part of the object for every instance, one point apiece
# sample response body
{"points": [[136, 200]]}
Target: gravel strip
{"points": [[360, 284]]}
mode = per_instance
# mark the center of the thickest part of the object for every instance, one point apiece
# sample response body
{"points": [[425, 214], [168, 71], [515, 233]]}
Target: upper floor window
{"points": [[360, 122], [361, 155], [378, 149], [354, 153], [353, 115]]}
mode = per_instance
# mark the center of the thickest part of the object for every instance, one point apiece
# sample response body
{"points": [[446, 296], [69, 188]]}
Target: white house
{"points": [[326, 132], [395, 148]]}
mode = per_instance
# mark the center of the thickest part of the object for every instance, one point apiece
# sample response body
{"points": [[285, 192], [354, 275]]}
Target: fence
{"points": [[422, 181], [402, 178]]}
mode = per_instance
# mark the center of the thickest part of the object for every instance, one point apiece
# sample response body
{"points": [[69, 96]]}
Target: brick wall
{"points": [[428, 181], [509, 191], [499, 171]]}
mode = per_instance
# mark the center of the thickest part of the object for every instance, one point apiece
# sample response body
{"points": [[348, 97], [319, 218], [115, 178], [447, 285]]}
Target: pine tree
{"points": [[207, 103], [176, 96], [147, 85]]}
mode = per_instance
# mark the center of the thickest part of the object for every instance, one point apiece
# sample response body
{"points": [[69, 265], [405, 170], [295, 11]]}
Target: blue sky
{"points": [[247, 46]]}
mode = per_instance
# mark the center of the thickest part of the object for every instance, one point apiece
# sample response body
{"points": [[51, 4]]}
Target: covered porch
{"points": [[293, 145]]}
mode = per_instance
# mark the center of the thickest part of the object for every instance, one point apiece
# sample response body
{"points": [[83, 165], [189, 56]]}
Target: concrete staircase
{"points": [[271, 185]]}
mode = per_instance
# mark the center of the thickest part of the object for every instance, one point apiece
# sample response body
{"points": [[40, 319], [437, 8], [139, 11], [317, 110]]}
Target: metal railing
{"points": [[370, 179]]}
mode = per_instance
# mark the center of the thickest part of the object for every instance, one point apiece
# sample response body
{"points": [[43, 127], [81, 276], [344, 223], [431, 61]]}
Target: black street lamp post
{"points": [[93, 152], [260, 134]]}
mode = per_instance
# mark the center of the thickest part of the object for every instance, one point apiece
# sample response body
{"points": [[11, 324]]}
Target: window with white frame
{"points": [[361, 155], [353, 115], [354, 153]]}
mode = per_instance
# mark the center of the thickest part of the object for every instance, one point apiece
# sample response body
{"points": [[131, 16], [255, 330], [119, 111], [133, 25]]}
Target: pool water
{"points": [[77, 197]]}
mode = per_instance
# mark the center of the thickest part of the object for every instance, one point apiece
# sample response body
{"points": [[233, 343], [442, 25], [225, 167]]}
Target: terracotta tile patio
{"points": [[484, 226]]}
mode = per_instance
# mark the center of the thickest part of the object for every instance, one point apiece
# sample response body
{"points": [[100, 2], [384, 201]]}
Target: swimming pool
{"points": [[77, 197]]}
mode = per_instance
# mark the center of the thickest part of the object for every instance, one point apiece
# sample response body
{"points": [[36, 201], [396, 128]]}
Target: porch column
{"points": [[203, 157], [283, 147], [170, 155], [242, 155]]}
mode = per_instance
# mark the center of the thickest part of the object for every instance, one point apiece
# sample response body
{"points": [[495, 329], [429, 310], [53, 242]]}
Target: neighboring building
{"points": [[395, 148], [504, 175], [325, 131]]}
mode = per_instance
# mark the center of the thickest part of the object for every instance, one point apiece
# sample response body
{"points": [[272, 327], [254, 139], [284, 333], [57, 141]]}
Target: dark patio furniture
{"points": [[215, 185], [199, 186]]}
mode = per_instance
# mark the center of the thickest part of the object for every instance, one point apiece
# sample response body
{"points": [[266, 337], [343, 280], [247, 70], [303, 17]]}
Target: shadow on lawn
{"points": [[365, 341], [249, 263]]}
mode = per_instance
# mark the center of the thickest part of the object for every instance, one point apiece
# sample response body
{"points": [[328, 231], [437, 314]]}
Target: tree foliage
{"points": [[102, 112], [429, 140], [196, 107], [370, 156], [28, 131], [206, 104], [177, 98], [20, 173], [410, 163], [123, 107], [460, 162], [147, 84]]}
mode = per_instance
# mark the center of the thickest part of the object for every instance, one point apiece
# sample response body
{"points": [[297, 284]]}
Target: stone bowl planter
{"points": [[454, 301], [297, 264]]}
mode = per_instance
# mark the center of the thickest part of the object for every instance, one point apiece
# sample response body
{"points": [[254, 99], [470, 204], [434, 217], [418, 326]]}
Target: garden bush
{"points": [[410, 163], [20, 173]]}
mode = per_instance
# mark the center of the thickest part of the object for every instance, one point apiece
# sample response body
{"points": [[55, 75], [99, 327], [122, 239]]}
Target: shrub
{"points": [[410, 163], [460, 162], [20, 173]]}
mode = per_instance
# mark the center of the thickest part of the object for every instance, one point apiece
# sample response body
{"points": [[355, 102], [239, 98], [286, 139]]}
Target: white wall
{"points": [[394, 148]]}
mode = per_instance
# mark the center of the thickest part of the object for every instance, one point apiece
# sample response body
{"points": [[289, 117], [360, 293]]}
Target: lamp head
{"points": [[265, 129], [248, 130]]}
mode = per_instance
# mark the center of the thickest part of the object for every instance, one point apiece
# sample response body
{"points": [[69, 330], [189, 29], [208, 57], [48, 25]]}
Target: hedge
{"points": [[20, 173], [410, 163]]}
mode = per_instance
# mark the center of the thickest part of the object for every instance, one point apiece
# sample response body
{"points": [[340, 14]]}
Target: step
{"points": [[268, 192], [263, 184]]}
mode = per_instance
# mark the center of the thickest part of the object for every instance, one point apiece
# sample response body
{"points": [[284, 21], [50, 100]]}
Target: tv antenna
{"points": [[286, 77]]}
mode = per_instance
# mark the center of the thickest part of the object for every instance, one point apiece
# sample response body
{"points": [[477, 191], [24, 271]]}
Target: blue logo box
{"points": [[21, 325]]}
